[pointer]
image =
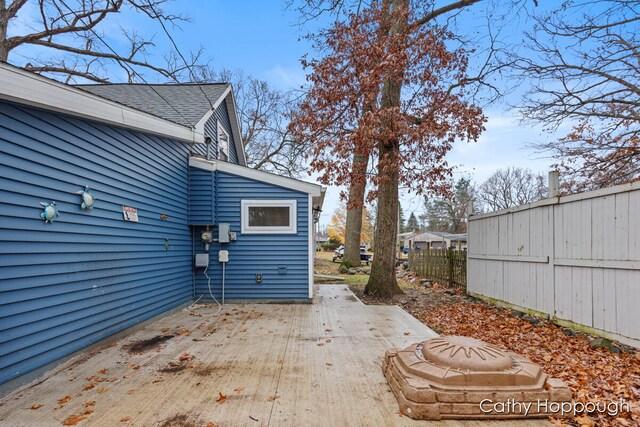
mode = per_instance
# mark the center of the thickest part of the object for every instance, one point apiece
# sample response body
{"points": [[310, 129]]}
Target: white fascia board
{"points": [[318, 201], [312, 246], [23, 87], [314, 190], [207, 116], [235, 127]]}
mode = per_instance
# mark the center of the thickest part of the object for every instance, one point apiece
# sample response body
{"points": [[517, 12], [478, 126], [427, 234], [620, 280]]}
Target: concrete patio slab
{"points": [[251, 365]]}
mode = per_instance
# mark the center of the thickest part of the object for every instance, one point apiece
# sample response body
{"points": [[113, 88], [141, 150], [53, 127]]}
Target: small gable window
{"points": [[223, 144], [268, 216]]}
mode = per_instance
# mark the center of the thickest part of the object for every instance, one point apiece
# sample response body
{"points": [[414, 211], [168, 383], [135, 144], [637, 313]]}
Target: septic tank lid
{"points": [[466, 353]]}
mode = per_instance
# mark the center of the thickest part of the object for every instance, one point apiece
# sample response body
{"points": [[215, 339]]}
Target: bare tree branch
{"points": [[71, 37]]}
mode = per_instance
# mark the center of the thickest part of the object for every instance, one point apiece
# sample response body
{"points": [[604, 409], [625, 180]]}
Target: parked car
{"points": [[364, 255]]}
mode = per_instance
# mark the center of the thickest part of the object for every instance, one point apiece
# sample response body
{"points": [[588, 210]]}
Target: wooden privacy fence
{"points": [[574, 258], [447, 265]]}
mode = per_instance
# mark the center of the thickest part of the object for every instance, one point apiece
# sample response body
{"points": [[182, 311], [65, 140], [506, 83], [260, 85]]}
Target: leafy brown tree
{"points": [[389, 88], [73, 43]]}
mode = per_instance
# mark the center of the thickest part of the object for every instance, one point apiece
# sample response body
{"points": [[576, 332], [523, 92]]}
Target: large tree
{"points": [[583, 63], [338, 227], [420, 110], [510, 187], [412, 223], [71, 39], [449, 213]]}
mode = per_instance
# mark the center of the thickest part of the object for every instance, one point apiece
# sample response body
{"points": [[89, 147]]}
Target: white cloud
{"points": [[286, 77]]}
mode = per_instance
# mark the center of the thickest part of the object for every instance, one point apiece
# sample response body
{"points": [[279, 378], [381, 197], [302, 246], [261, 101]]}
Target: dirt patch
{"points": [[180, 420], [171, 369], [145, 345], [351, 298]]}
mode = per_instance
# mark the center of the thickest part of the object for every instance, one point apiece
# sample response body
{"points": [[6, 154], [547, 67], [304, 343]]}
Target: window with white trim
{"points": [[223, 143], [268, 216]]}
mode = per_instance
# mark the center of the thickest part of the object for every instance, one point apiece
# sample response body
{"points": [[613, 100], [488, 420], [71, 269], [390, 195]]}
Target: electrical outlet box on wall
{"points": [[202, 260]]}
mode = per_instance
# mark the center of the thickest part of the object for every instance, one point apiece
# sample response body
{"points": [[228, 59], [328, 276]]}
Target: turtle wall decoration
{"points": [[49, 212], [87, 198]]}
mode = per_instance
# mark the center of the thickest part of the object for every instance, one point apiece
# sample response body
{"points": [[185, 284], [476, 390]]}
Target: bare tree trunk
{"points": [[382, 281], [355, 207], [4, 23]]}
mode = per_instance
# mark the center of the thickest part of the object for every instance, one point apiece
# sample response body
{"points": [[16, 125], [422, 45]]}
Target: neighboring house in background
{"points": [[169, 182], [436, 240], [321, 239]]}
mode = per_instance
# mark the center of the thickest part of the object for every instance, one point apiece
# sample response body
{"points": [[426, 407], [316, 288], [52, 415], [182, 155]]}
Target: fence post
{"points": [[427, 260], [450, 265]]}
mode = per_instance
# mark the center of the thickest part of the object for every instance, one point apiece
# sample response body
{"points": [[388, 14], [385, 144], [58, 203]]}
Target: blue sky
{"points": [[261, 39]]}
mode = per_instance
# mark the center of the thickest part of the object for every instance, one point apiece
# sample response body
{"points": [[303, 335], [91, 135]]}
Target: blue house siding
{"points": [[252, 254], [211, 130], [202, 197], [222, 115], [89, 274]]}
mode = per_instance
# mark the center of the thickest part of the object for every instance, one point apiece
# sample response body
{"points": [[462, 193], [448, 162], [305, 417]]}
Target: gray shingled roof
{"points": [[188, 99]]}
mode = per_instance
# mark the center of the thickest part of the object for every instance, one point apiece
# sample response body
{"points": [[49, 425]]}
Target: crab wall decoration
{"points": [[87, 198], [50, 212]]}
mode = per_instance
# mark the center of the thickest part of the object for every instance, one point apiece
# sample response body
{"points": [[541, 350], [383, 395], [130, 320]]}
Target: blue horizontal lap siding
{"points": [[222, 115], [202, 195], [89, 274], [255, 254]]}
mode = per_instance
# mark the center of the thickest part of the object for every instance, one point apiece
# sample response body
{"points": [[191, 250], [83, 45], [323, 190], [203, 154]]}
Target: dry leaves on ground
{"points": [[221, 398], [73, 420], [594, 374]]}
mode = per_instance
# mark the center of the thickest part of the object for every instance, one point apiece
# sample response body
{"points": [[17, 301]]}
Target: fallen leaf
{"points": [[327, 330], [103, 389], [186, 356], [585, 421], [328, 340], [243, 329], [329, 364], [125, 419], [126, 376], [73, 420], [210, 424], [64, 400], [272, 398], [222, 398], [320, 344], [88, 387], [88, 412], [102, 371], [89, 403], [238, 389], [183, 332], [36, 406], [407, 333], [134, 367]]}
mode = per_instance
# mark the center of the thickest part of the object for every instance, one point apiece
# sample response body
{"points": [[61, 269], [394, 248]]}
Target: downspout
{"points": [[193, 234]]}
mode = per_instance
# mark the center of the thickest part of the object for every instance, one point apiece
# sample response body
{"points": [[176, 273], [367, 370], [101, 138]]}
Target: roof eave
{"points": [[314, 190], [24, 87]]}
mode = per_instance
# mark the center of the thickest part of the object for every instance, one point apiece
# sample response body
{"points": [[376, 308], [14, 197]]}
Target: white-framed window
{"points": [[223, 143], [269, 216]]}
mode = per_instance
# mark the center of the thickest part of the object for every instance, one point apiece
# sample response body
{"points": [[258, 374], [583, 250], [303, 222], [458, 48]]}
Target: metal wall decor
{"points": [[87, 198], [49, 212]]}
